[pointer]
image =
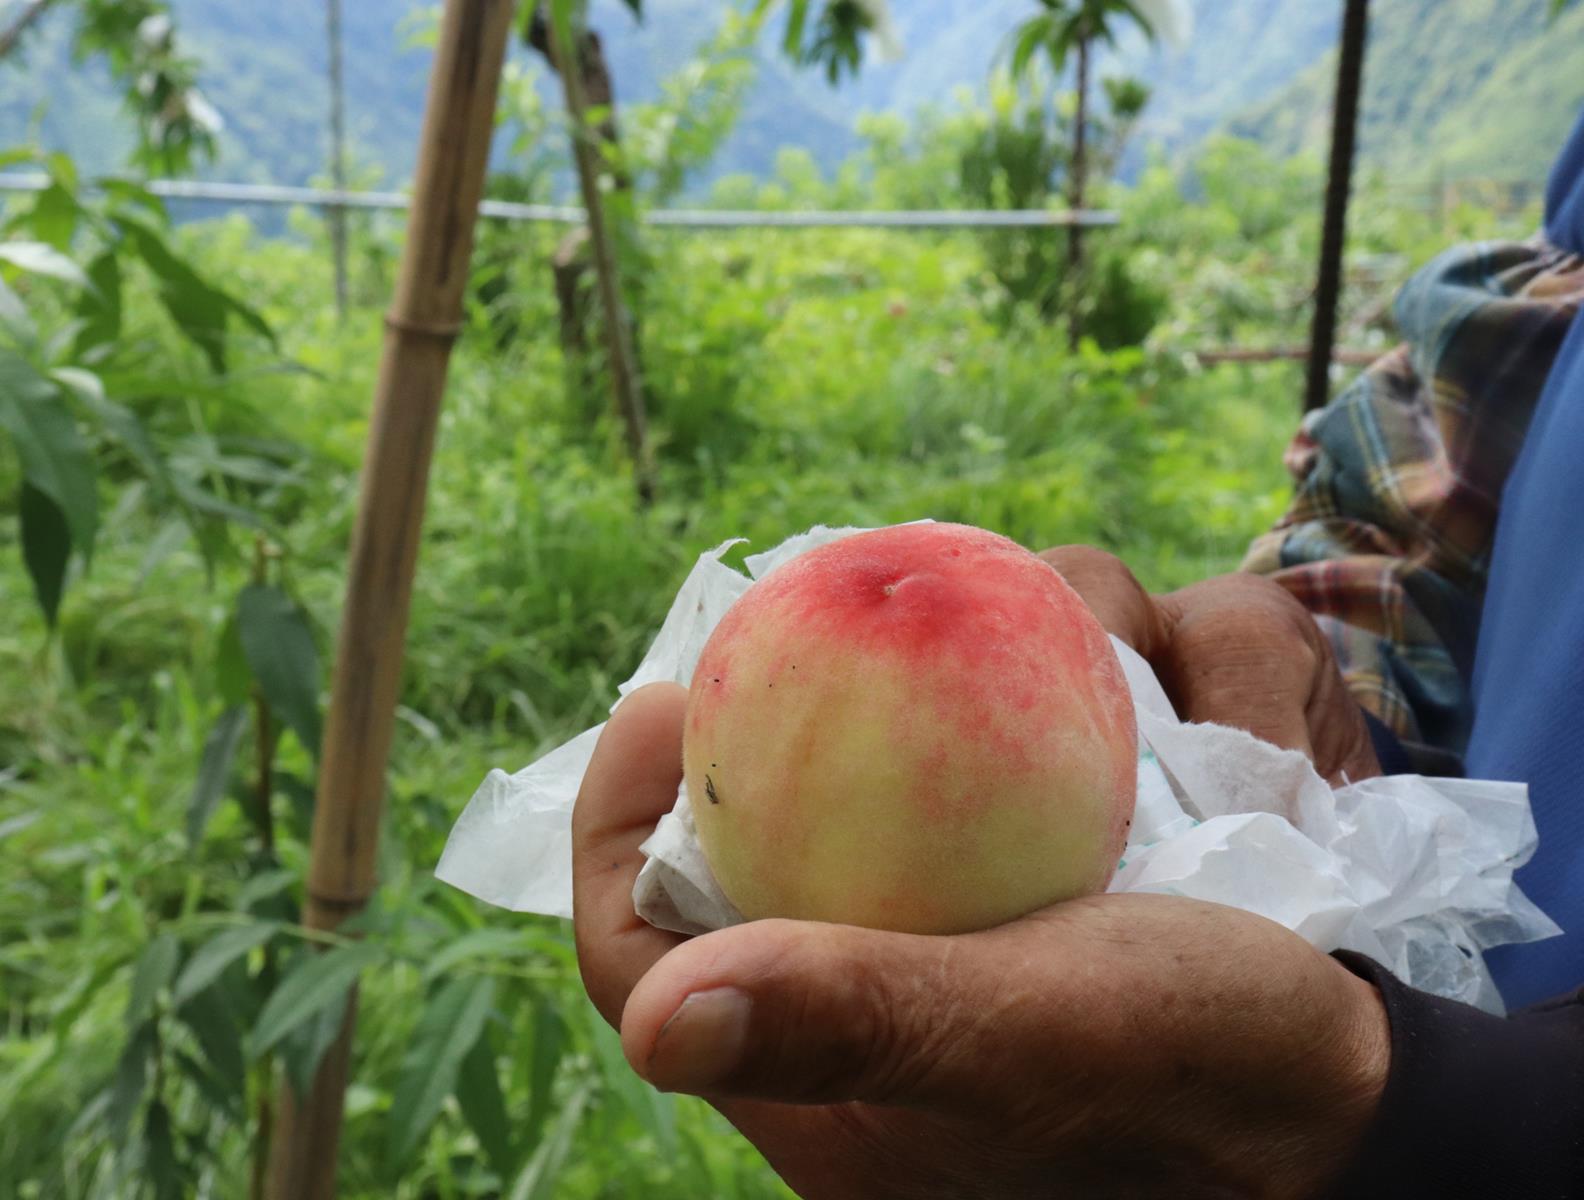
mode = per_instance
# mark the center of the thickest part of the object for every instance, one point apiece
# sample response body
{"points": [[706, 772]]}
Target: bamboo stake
{"points": [[625, 380], [423, 321]]}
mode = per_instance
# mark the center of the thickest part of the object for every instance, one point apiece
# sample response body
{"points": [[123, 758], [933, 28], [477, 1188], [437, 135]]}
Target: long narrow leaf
{"points": [[210, 1016], [304, 1047], [214, 769], [46, 547], [155, 968], [219, 952], [549, 1045], [280, 652], [55, 459], [318, 982], [40, 258], [451, 1023], [129, 1082], [159, 1155], [478, 1093], [539, 1177]]}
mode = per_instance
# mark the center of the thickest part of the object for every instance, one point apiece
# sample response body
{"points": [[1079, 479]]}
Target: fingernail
{"points": [[702, 1042]]}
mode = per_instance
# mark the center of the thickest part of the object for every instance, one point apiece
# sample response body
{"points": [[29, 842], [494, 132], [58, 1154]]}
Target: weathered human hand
{"points": [[1236, 650], [1116, 1046]]}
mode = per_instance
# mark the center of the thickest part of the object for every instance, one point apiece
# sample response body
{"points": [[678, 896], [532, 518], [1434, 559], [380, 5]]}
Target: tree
{"points": [[559, 30], [158, 81], [1066, 30]]}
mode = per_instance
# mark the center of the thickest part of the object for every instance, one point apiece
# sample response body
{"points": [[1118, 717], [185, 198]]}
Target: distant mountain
{"points": [[1452, 88], [1475, 86]]}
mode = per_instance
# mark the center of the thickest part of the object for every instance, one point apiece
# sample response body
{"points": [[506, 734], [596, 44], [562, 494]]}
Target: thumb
{"points": [[809, 1013]]}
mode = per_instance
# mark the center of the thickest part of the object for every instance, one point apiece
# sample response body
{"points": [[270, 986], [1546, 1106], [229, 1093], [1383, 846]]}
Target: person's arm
{"points": [[1475, 1106], [1122, 1044]]}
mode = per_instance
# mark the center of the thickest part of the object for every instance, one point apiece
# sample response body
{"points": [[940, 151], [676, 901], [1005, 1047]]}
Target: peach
{"points": [[921, 728]]}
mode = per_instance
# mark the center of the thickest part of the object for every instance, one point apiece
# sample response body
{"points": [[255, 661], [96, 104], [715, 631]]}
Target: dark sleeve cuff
{"points": [[1389, 750], [1475, 1106]]}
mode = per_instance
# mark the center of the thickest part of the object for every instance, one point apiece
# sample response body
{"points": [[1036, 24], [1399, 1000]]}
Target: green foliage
{"points": [[76, 389], [1061, 26], [1452, 89], [829, 34], [175, 124], [154, 817]]}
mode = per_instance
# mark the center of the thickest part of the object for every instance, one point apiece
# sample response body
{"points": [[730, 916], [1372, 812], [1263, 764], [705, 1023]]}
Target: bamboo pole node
{"points": [[341, 904], [442, 331]]}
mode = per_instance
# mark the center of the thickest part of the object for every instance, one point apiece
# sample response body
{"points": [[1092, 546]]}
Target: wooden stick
{"points": [[1237, 354], [423, 320], [1339, 184], [626, 382]]}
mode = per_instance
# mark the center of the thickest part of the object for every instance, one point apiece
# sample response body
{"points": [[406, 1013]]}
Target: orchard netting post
{"points": [[1339, 182], [338, 173], [423, 321]]}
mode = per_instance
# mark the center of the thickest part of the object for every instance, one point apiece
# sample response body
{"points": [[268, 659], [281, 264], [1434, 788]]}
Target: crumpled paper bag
{"points": [[1415, 872]]}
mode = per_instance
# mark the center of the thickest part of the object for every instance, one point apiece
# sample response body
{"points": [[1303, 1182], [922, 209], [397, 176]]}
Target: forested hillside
{"points": [[1453, 88], [1464, 87]]}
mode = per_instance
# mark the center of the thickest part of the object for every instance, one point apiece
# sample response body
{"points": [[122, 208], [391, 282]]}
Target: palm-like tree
{"points": [[1064, 31]]}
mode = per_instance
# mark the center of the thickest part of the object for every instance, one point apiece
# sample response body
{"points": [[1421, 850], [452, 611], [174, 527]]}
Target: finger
{"points": [[807, 1013], [1344, 752], [630, 784], [1244, 687], [1118, 601]]}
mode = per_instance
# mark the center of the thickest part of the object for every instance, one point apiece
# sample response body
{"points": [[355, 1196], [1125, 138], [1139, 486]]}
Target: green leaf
{"points": [[40, 258], [452, 1021], [303, 1048], [797, 21], [54, 216], [55, 458], [654, 1110], [213, 1022], [214, 770], [219, 952], [549, 1044], [120, 422], [264, 887], [155, 968], [280, 652], [100, 308], [318, 982], [1028, 39], [539, 1177], [131, 1077], [198, 309], [46, 547], [299, 795], [232, 676], [220, 1097], [477, 943], [14, 314], [159, 1154], [478, 1093]]}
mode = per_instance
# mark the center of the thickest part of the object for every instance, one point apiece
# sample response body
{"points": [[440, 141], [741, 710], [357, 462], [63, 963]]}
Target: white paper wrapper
{"points": [[1415, 872]]}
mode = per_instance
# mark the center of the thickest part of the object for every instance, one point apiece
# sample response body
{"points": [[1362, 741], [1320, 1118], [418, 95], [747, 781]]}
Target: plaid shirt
{"points": [[1388, 538]]}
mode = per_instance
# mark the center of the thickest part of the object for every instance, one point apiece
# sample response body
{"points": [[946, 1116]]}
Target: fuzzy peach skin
{"points": [[920, 729]]}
